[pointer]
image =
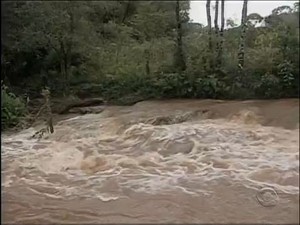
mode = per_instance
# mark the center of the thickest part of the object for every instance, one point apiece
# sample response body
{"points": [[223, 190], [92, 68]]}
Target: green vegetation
{"points": [[125, 51], [12, 108]]}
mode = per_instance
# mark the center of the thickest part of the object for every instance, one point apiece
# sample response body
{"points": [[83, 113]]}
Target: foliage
{"points": [[125, 50], [12, 108]]}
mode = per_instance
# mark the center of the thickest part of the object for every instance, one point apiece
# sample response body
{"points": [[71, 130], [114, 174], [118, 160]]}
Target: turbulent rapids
{"points": [[180, 161]]}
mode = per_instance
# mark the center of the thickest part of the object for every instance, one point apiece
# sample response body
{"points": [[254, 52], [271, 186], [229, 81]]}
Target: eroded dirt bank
{"points": [[178, 161]]}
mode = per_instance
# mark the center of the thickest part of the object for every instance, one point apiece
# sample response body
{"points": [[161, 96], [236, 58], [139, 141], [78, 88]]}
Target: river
{"points": [[171, 161]]}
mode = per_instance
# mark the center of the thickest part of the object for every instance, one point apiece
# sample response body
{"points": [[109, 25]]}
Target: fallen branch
{"points": [[47, 109]]}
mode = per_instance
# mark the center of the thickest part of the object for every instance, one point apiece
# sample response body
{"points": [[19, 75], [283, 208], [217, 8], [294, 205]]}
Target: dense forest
{"points": [[126, 51]]}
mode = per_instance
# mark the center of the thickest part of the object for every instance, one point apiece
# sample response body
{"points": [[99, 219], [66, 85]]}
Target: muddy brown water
{"points": [[179, 161]]}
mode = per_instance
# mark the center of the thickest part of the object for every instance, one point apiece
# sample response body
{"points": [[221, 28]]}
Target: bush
{"points": [[288, 82], [12, 108], [156, 86]]}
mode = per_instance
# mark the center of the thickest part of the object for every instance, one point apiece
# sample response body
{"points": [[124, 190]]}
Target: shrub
{"points": [[287, 79], [12, 108]]}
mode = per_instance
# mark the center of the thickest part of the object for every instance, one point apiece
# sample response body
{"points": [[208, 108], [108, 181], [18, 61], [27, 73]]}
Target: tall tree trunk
{"points": [[69, 48], [180, 62], [220, 52], [62, 59], [147, 65], [216, 18], [210, 49], [125, 11], [64, 66], [241, 53], [63, 73], [216, 31], [209, 24]]}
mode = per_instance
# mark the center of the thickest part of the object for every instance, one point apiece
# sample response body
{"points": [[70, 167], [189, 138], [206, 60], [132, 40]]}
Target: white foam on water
{"points": [[83, 149]]}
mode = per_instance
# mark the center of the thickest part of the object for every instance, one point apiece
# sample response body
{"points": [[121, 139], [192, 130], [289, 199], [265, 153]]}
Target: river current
{"points": [[179, 161]]}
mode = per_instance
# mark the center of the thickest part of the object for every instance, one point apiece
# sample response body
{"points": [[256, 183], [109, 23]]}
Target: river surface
{"points": [[177, 161]]}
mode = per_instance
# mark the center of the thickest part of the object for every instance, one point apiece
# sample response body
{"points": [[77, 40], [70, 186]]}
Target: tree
{"points": [[115, 43], [241, 52], [179, 57], [282, 9], [253, 19], [156, 23], [296, 7], [220, 52], [230, 23], [216, 18], [216, 33], [210, 49], [51, 38]]}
